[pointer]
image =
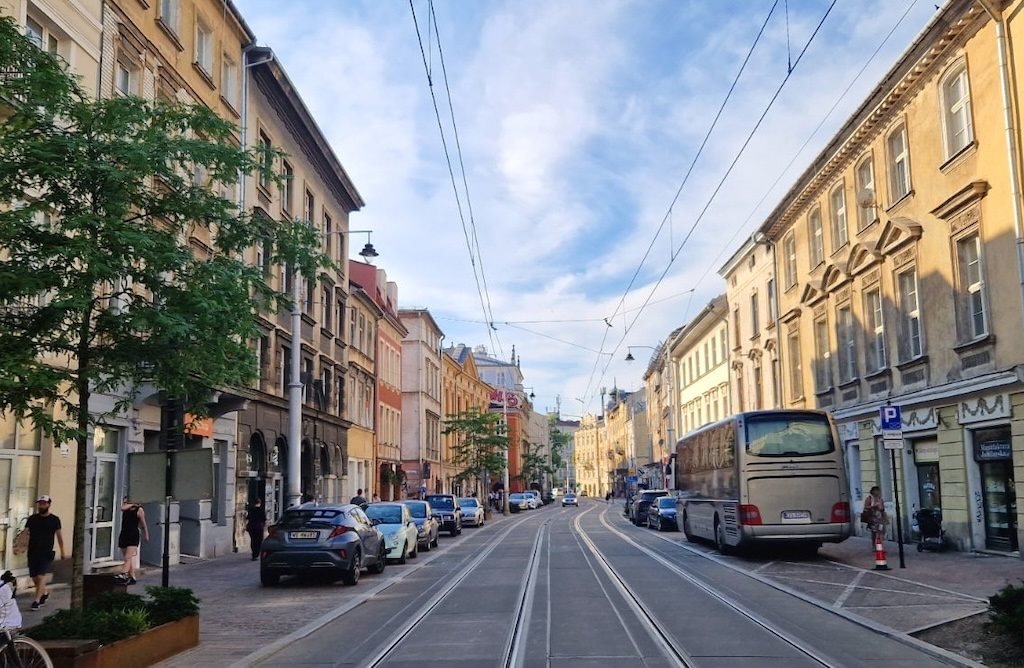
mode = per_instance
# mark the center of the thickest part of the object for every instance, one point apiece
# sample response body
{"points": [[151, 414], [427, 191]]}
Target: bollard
{"points": [[880, 563]]}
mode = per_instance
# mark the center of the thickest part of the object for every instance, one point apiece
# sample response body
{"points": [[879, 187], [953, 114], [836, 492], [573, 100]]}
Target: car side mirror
{"points": [[374, 521]]}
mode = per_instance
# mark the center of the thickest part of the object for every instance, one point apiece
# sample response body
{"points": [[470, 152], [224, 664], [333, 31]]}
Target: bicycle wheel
{"points": [[31, 654]]}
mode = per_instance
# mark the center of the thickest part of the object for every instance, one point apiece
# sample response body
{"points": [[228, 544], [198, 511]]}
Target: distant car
{"points": [[336, 539], [395, 522], [570, 500], [518, 501], [584, 493], [663, 513], [472, 511], [638, 509], [427, 526], [533, 498], [447, 512]]}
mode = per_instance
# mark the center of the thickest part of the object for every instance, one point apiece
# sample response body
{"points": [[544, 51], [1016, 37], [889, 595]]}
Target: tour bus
{"points": [[764, 476]]}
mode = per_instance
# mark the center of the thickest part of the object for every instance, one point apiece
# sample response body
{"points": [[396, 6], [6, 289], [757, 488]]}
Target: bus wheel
{"points": [[686, 529], [720, 544]]}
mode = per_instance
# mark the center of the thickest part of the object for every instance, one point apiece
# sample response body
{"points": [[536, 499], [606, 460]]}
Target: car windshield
{"points": [[468, 503], [441, 502], [418, 510], [781, 435], [650, 497], [570, 496], [666, 502], [294, 519], [384, 514], [517, 497]]}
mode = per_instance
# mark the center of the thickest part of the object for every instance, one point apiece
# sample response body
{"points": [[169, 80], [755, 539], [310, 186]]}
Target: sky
{"points": [[576, 123]]}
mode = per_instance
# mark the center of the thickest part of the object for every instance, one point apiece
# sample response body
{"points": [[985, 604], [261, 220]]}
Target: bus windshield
{"points": [[782, 435]]}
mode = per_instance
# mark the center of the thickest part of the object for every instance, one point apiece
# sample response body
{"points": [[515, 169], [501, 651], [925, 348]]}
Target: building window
{"points": [[822, 356], [866, 212], [204, 48], [229, 80], [327, 308], [755, 316], [838, 210], [124, 83], [773, 304], [328, 236], [758, 389], [911, 345], [266, 158], [796, 373], [972, 287], [736, 325], [875, 331], [789, 256], [284, 368], [956, 110], [169, 14], [847, 340], [41, 37], [309, 208], [899, 164], [815, 238], [723, 336], [287, 187]]}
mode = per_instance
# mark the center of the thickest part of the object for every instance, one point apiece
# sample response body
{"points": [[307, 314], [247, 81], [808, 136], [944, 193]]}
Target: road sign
{"points": [[892, 443], [892, 423], [632, 478]]}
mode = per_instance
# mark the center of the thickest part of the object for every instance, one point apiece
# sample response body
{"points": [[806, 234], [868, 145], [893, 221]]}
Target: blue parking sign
{"points": [[892, 419]]}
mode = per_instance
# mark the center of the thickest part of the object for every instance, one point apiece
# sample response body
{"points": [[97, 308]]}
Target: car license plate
{"points": [[796, 516], [303, 534]]}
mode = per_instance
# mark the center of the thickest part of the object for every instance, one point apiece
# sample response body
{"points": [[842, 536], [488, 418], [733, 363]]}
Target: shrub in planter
{"points": [[117, 600], [1006, 613], [107, 627], [169, 604]]}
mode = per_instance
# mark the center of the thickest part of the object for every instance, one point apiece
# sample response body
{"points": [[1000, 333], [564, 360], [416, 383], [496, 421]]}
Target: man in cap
{"points": [[42, 527]]}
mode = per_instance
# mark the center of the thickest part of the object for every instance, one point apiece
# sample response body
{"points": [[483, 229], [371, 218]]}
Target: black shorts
{"points": [[124, 540], [40, 564]]}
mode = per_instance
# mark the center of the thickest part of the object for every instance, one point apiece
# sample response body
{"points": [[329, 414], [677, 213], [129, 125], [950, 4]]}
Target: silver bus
{"points": [[765, 476]]}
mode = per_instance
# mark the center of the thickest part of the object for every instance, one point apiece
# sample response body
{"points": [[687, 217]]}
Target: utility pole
{"points": [[294, 463]]}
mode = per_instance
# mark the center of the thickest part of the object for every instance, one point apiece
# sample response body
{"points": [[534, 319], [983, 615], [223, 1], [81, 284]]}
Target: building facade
{"points": [[590, 457], [421, 401], [565, 475], [699, 355], [364, 316], [507, 380], [898, 257], [462, 391]]}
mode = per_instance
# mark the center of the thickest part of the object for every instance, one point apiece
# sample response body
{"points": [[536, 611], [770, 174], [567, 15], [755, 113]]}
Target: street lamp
{"points": [[629, 355], [294, 463]]}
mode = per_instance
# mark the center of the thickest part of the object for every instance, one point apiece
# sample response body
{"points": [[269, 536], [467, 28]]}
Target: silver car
{"points": [[472, 511]]}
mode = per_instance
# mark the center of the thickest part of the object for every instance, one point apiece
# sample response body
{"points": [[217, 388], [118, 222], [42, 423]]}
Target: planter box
{"points": [[145, 649]]}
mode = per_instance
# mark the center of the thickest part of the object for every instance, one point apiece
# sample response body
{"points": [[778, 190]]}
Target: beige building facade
{"points": [[899, 278], [699, 355], [421, 402], [462, 391], [591, 457], [364, 316]]}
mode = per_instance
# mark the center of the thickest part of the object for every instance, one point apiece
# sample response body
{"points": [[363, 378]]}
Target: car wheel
{"points": [[415, 550], [405, 552], [381, 563], [426, 546], [268, 579], [351, 576]]}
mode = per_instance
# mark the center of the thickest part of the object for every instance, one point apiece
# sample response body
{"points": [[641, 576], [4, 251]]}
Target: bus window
{"points": [[782, 435]]}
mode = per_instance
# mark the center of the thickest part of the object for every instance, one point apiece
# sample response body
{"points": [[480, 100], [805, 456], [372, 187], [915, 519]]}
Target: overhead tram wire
{"points": [[686, 178], [721, 182], [807, 141], [465, 184], [451, 174]]}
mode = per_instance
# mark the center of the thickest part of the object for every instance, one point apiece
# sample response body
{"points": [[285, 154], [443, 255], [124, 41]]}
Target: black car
{"points": [[662, 514], [333, 539], [447, 512], [427, 526], [641, 501]]}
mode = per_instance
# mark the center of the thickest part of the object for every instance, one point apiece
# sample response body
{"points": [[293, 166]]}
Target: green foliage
{"points": [[533, 464], [105, 626], [169, 604], [559, 442], [478, 444], [116, 600], [1006, 612]]}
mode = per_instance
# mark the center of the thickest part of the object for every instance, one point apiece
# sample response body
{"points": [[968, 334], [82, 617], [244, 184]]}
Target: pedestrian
{"points": [[255, 525], [10, 615], [376, 498], [873, 515], [43, 526], [358, 499], [133, 530], [608, 497]]}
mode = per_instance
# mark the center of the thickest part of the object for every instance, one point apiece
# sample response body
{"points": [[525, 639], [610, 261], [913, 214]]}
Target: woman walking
{"points": [[874, 516], [256, 524], [133, 531]]}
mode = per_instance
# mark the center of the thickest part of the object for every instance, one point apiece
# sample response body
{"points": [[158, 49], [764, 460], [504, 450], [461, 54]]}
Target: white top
{"points": [[10, 615]]}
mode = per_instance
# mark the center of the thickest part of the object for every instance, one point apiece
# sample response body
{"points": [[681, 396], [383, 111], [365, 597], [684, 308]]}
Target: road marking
{"points": [[764, 566], [845, 594], [905, 580], [514, 655]]}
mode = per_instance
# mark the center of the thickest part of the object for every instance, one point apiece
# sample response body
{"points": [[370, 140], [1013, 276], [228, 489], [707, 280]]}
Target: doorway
{"points": [[994, 456], [104, 491]]}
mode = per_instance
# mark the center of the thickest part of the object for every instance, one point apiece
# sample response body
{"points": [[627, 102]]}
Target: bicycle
{"points": [[20, 651]]}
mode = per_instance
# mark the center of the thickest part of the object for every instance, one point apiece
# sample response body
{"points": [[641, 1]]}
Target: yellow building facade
{"points": [[462, 390], [899, 278], [699, 355], [591, 457]]}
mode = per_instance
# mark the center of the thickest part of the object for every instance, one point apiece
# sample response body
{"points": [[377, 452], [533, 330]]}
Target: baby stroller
{"points": [[929, 524]]}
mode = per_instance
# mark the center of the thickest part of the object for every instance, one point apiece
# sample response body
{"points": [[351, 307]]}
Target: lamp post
{"points": [[294, 459], [629, 355]]}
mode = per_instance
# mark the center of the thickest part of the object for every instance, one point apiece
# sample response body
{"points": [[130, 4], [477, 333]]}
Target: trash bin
{"points": [[94, 584]]}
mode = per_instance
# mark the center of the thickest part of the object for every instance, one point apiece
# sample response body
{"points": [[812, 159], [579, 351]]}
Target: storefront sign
{"points": [[926, 451], [992, 451]]}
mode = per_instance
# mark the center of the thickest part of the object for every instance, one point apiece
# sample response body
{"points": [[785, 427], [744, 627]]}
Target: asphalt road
{"points": [[581, 587]]}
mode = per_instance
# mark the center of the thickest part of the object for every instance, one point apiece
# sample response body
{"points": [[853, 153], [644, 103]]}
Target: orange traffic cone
{"points": [[880, 563]]}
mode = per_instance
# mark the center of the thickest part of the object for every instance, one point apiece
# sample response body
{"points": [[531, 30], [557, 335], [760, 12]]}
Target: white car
{"points": [[472, 511], [400, 533], [533, 498], [570, 500], [518, 501]]}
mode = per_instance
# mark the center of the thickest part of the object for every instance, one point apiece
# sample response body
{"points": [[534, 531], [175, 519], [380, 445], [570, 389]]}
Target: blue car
{"points": [[663, 513]]}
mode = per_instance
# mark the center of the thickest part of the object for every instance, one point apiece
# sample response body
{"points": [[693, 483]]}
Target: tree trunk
{"points": [[81, 467]]}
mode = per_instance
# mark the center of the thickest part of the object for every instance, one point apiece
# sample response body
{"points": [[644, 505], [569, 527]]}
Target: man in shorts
{"points": [[43, 527]]}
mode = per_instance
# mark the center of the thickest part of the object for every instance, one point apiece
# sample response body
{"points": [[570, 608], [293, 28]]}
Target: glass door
{"points": [[1000, 501], [104, 487]]}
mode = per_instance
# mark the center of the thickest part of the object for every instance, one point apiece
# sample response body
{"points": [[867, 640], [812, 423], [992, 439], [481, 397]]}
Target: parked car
{"points": [[395, 522], [427, 526], [533, 498], [584, 493], [472, 511], [334, 539], [570, 499], [663, 513], [641, 501], [447, 512], [518, 501]]}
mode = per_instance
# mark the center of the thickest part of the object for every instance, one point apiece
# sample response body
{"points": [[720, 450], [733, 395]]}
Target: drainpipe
{"points": [[1011, 143]]}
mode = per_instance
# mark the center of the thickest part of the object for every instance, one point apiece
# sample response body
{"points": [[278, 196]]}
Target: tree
{"points": [[122, 261], [478, 446], [534, 464], [559, 441]]}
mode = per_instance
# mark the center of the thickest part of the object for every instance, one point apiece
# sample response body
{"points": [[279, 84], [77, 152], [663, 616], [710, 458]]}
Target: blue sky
{"points": [[577, 122]]}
